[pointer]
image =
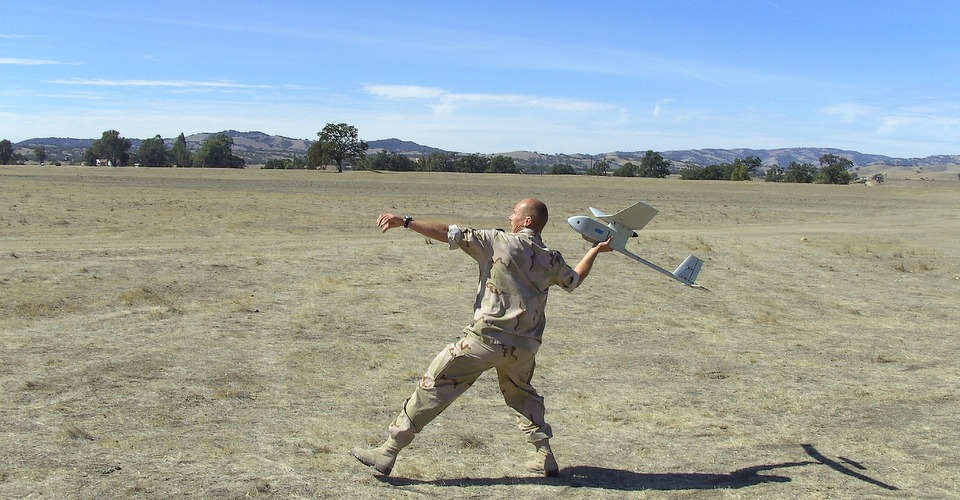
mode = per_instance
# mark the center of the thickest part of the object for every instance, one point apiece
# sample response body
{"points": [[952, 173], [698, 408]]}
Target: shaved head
{"points": [[536, 210]]}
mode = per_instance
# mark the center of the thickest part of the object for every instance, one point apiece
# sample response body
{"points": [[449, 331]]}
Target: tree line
{"points": [[833, 169], [339, 145], [111, 149]]}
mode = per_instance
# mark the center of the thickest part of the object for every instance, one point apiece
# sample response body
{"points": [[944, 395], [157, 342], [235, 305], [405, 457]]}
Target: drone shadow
{"points": [[583, 476]]}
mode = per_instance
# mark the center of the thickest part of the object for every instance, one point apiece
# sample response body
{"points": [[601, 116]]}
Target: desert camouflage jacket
{"points": [[516, 272]]}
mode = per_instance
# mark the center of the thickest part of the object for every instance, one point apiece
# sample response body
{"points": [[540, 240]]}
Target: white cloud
{"points": [[849, 112], [158, 83], [658, 106], [27, 62], [444, 101], [942, 128], [405, 91]]}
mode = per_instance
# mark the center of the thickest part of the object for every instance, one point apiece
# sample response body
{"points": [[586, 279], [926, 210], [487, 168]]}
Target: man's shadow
{"points": [[583, 476]]}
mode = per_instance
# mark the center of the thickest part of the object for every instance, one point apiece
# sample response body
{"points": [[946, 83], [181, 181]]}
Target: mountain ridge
{"points": [[256, 147]]}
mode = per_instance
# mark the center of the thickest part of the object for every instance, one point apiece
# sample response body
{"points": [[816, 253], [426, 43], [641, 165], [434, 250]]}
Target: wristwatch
{"points": [[407, 220]]}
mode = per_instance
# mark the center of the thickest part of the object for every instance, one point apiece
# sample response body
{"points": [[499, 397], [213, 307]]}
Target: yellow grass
{"points": [[209, 333]]}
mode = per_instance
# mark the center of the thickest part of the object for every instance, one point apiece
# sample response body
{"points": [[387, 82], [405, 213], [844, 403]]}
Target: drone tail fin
{"points": [[688, 270], [598, 213]]}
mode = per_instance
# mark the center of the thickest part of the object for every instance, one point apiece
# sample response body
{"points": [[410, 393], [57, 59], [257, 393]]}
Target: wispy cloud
{"points": [[28, 62], [406, 91], [931, 126], [446, 101], [907, 118], [182, 84], [849, 112], [777, 6], [658, 106]]}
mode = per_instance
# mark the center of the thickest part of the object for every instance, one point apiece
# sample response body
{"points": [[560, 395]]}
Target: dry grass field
{"points": [[233, 333]]}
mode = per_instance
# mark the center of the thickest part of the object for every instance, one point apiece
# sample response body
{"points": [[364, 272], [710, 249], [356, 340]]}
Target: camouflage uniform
{"points": [[516, 271]]}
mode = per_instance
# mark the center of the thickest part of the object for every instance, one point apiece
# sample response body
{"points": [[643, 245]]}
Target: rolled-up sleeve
{"points": [[454, 236], [566, 277], [476, 243]]}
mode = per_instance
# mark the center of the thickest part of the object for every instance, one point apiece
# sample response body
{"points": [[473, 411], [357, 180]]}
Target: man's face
{"points": [[517, 220]]}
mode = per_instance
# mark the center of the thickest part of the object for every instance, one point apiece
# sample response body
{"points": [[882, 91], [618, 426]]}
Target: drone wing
{"points": [[633, 217]]}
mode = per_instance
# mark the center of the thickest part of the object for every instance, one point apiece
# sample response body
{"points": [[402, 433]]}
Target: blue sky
{"points": [[878, 77]]}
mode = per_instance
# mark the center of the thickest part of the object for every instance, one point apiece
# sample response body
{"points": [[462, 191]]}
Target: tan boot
{"points": [[381, 458], [544, 462]]}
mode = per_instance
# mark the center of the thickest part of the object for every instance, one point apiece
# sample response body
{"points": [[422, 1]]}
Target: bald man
{"points": [[516, 271]]}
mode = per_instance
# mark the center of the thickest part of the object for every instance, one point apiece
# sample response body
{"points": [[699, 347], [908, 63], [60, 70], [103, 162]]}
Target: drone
{"points": [[623, 225]]}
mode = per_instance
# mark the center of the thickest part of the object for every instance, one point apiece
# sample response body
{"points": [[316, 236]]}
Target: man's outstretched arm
{"points": [[586, 263], [434, 230]]}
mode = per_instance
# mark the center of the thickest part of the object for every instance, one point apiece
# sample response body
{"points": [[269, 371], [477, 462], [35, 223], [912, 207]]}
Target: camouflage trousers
{"points": [[456, 368]]}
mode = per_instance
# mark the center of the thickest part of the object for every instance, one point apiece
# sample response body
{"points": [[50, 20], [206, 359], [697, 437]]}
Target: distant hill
{"points": [[258, 147], [402, 147], [785, 156], [254, 147]]}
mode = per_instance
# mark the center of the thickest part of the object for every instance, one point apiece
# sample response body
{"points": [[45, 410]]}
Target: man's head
{"points": [[531, 213]]}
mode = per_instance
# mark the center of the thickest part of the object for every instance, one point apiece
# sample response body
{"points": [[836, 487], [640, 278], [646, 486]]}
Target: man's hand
{"points": [[388, 220], [605, 246]]}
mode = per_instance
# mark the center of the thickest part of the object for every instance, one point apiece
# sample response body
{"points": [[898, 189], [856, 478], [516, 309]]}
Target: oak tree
{"points": [[338, 143]]}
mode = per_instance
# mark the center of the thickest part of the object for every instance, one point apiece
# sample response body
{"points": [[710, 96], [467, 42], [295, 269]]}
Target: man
{"points": [[516, 271]]}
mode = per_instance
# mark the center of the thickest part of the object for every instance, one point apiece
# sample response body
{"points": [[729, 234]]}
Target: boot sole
{"points": [[385, 471]]}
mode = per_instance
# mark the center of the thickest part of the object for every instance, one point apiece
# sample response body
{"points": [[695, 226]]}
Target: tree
{"points": [[392, 161], [802, 173], [443, 162], [654, 165], [295, 163], [753, 164], [562, 169], [111, 147], [6, 152], [740, 172], [501, 164], [718, 172], [473, 163], [180, 153], [692, 172], [316, 157], [438, 162], [628, 169], [774, 174], [216, 151], [834, 170], [41, 153], [89, 157], [153, 153], [274, 163], [340, 143], [599, 168]]}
